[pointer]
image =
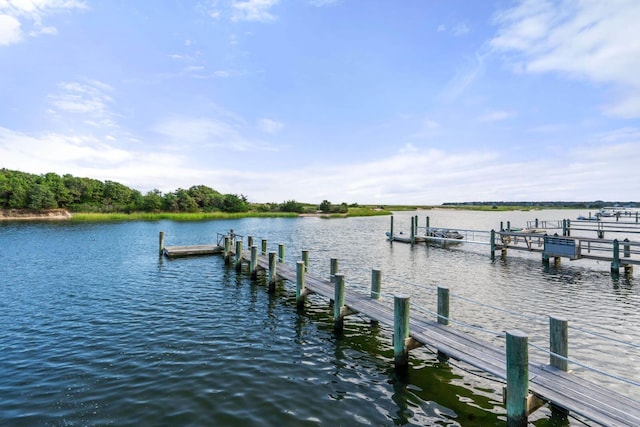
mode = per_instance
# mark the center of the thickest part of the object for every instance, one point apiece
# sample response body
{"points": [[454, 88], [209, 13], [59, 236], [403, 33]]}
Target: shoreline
{"points": [[30, 215]]}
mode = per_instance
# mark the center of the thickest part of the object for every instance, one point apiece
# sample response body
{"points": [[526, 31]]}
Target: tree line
{"points": [[20, 190]]}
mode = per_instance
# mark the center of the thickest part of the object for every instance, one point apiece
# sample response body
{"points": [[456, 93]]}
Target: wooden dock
{"points": [[530, 387], [547, 384], [182, 251]]}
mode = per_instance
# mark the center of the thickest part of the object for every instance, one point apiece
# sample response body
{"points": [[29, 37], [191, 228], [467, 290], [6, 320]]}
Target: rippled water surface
{"points": [[96, 329]]}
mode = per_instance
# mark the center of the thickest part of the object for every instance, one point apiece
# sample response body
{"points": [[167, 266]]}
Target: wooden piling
{"points": [[300, 272], [281, 252], [615, 264], [338, 302], [253, 264], [559, 349], [627, 248], [400, 330], [391, 230], [333, 267], [305, 259], [161, 242], [272, 271], [376, 283], [227, 250], [413, 230], [249, 241], [517, 378], [558, 342], [443, 305], [493, 242], [264, 246], [238, 255]]}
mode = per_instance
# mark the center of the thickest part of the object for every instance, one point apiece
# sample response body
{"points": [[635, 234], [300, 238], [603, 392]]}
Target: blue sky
{"points": [[389, 102]]}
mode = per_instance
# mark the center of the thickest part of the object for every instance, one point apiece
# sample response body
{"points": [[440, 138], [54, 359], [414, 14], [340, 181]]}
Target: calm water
{"points": [[95, 329]]}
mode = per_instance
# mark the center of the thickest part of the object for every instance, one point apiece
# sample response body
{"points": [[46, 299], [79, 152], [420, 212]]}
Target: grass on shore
{"points": [[173, 216], [202, 216]]}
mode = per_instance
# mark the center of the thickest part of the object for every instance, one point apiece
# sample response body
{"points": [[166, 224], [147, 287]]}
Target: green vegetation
{"points": [[94, 200]]}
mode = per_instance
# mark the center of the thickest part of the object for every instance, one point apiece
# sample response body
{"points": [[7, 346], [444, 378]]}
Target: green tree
{"points": [[235, 203], [41, 197], [325, 206], [152, 201], [291, 206]]}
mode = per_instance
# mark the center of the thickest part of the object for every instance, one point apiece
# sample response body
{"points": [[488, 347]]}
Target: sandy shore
{"points": [[29, 215]]}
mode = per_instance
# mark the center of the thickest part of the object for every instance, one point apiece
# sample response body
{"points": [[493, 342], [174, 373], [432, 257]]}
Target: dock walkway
{"points": [[544, 383], [547, 383]]}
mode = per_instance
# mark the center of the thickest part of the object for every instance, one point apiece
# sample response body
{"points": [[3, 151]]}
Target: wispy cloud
{"points": [[496, 116], [323, 3], [18, 17], [253, 10], [270, 126], [464, 77], [90, 101], [221, 132], [587, 40], [460, 29]]}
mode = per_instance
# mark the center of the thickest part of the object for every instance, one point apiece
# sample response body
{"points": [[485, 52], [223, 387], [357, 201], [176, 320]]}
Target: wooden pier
{"points": [[552, 239], [529, 385]]}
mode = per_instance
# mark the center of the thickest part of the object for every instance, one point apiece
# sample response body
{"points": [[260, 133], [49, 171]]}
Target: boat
{"points": [[443, 233]]}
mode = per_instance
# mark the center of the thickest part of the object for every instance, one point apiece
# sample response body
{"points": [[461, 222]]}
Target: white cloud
{"points": [[496, 116], [16, 14], [270, 126], [222, 132], [253, 10], [90, 101], [588, 40], [10, 31]]}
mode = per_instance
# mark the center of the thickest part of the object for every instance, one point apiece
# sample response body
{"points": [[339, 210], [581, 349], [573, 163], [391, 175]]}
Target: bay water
{"points": [[97, 329]]}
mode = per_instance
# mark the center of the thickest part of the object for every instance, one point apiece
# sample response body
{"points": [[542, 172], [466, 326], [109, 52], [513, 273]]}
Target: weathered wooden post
{"points": [[558, 342], [568, 227], [517, 378], [400, 330], [391, 230], [493, 243], [508, 225], [443, 305], [305, 258], [249, 241], [536, 223], [559, 349], [227, 250], [264, 246], [300, 270], [615, 264], [238, 255], [413, 230], [333, 267], [281, 252], [338, 302], [161, 242], [627, 248], [428, 223], [253, 265], [564, 227], [376, 283], [272, 271], [501, 225]]}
